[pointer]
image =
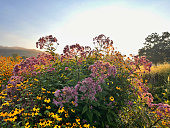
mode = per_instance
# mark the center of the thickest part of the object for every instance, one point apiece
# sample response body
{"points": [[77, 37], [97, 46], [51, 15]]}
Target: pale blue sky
{"points": [[126, 22]]}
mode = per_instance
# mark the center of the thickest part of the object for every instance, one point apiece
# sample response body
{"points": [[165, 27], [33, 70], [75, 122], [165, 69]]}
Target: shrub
{"points": [[80, 88]]}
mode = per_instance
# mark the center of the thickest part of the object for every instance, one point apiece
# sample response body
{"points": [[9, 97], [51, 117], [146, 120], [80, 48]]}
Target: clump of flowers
{"points": [[88, 87], [47, 43], [33, 65], [82, 88], [76, 52], [102, 70], [104, 46]]}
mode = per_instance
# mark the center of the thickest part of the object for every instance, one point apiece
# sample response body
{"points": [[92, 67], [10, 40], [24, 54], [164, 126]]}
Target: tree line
{"points": [[156, 48]]}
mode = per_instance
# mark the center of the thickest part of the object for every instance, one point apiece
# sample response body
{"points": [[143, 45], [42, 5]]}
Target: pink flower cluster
{"points": [[102, 41], [162, 110], [88, 88], [101, 70], [141, 61], [65, 95], [29, 65], [43, 41], [14, 80], [75, 51]]}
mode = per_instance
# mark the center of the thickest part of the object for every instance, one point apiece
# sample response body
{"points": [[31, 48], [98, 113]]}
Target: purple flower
{"points": [[82, 98], [57, 93], [99, 88], [76, 87], [83, 89], [84, 121], [130, 103], [56, 103], [16, 69], [66, 68], [76, 98]]}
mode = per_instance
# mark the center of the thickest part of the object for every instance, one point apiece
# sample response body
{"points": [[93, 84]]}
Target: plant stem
{"points": [[155, 123]]}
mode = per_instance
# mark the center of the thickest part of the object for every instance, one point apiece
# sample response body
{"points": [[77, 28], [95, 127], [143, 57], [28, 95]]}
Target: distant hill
{"points": [[13, 51]]}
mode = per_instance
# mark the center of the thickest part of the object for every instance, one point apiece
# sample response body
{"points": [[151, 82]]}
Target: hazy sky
{"points": [[126, 22]]}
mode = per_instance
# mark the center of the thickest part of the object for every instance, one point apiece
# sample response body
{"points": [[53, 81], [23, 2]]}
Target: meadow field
{"points": [[83, 87], [159, 82]]}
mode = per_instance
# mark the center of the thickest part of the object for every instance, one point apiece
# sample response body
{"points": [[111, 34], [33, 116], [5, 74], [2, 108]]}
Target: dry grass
{"points": [[161, 69]]}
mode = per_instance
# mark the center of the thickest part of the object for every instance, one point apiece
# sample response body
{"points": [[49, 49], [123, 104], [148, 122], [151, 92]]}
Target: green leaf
{"points": [[117, 94], [39, 114], [4, 123], [95, 104], [102, 124], [90, 116], [19, 122], [46, 112], [109, 118], [147, 117], [85, 108], [97, 113], [44, 105], [113, 114]]}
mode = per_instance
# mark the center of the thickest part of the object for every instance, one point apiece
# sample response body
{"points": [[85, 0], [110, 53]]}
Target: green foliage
{"points": [[157, 48]]}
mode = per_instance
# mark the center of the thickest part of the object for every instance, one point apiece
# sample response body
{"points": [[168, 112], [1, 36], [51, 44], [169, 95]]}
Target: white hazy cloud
{"points": [[12, 39], [127, 27]]}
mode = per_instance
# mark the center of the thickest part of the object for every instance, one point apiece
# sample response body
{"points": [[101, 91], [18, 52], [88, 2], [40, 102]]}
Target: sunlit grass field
{"points": [[161, 68]]}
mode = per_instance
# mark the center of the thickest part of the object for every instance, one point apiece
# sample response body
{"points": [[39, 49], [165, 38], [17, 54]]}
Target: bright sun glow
{"points": [[127, 27]]}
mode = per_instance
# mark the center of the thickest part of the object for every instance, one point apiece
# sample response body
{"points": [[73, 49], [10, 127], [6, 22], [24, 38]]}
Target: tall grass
{"points": [[161, 69], [158, 76], [159, 82]]}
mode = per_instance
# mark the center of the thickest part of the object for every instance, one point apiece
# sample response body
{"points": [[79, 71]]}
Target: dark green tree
{"points": [[156, 48]]}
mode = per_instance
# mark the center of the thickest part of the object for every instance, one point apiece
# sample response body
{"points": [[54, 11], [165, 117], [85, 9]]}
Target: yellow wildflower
{"points": [[36, 79], [118, 88], [66, 115], [78, 121], [111, 98], [33, 114], [74, 124], [48, 92], [73, 110], [57, 126], [86, 125], [47, 100], [39, 98], [49, 107], [61, 110], [43, 89]]}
